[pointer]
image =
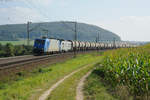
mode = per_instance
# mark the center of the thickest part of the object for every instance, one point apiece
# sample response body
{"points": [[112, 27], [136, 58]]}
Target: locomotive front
{"points": [[39, 45]]}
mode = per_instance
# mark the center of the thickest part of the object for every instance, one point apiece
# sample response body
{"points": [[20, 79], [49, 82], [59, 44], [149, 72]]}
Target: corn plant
{"points": [[129, 67]]}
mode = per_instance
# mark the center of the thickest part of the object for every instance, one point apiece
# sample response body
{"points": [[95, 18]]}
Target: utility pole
{"points": [[28, 33], [75, 38], [75, 34], [114, 43], [98, 37], [96, 43], [46, 32]]}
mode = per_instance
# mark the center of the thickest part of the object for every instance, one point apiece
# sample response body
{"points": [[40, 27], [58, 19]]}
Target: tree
{"points": [[9, 49], [28, 49], [18, 50], [1, 47], [2, 52]]}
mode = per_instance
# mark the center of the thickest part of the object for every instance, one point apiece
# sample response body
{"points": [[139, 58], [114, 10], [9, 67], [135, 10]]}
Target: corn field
{"points": [[129, 67]]}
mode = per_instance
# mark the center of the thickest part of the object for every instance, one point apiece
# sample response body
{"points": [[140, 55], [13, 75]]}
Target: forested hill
{"points": [[62, 30]]}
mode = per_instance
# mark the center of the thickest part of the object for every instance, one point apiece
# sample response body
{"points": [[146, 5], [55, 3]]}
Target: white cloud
{"points": [[36, 2], [129, 27], [18, 15], [135, 18], [41, 2], [31, 10], [7, 0]]}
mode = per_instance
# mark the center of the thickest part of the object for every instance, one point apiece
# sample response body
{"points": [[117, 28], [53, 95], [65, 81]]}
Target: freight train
{"points": [[50, 46]]}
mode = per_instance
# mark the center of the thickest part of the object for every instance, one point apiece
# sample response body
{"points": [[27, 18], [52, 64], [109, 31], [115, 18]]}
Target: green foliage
{"points": [[20, 74], [42, 70], [19, 50], [129, 67], [1, 46], [9, 50], [2, 52], [35, 83], [95, 89], [27, 49], [20, 42], [3, 86], [56, 30]]}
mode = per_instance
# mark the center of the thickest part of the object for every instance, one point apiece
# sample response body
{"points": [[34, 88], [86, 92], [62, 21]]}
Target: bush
{"points": [[1, 46], [2, 53], [9, 50]]}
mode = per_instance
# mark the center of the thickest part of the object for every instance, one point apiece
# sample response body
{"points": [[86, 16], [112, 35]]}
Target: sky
{"points": [[130, 19]]}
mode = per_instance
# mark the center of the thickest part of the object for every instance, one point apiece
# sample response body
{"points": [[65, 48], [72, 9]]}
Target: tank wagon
{"points": [[50, 46], [65, 46]]}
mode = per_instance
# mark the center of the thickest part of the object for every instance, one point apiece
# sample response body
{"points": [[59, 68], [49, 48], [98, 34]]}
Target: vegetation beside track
{"points": [[31, 86], [125, 73], [10, 50], [19, 42], [95, 89]]}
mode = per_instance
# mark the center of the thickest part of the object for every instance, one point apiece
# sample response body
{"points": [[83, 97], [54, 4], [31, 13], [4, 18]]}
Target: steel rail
{"points": [[27, 61]]}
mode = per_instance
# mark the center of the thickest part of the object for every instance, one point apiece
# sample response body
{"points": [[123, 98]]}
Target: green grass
{"points": [[67, 90], [29, 88], [94, 89], [21, 42]]}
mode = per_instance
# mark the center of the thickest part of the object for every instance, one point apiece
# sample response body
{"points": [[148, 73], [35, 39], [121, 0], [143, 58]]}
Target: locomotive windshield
{"points": [[42, 42]]}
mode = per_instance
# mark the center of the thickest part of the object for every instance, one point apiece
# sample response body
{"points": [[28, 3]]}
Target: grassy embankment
{"points": [[28, 86], [123, 74]]}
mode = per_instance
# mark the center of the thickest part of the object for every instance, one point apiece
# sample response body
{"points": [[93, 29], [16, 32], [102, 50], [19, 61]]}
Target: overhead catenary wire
{"points": [[68, 26], [72, 29], [30, 30], [32, 6]]}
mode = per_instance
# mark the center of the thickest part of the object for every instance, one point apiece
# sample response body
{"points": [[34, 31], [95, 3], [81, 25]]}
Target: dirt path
{"points": [[79, 90], [48, 92]]}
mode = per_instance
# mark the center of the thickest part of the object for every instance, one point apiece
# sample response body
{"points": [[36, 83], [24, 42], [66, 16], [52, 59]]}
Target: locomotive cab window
{"points": [[40, 42]]}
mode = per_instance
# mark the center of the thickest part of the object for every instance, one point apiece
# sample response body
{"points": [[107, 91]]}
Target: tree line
{"points": [[10, 50]]}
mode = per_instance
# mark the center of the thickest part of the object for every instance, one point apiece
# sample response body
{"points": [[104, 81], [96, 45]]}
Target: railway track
{"points": [[10, 62], [6, 63]]}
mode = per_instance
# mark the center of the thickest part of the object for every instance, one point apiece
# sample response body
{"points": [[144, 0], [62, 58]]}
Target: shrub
{"points": [[17, 50], [9, 50]]}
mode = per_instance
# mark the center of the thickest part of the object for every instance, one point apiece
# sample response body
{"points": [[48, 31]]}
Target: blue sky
{"points": [[130, 19]]}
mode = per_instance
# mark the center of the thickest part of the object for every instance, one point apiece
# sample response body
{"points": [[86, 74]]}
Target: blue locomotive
{"points": [[49, 46]]}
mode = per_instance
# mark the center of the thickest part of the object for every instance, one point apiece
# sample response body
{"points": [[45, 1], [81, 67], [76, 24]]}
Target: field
{"points": [[120, 74], [29, 86], [126, 71], [21, 42]]}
